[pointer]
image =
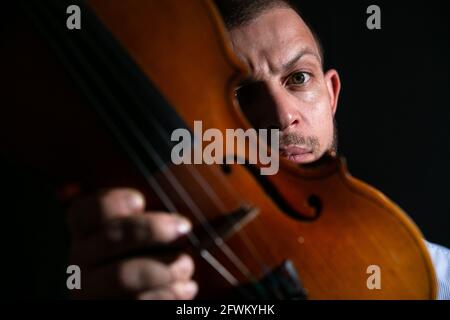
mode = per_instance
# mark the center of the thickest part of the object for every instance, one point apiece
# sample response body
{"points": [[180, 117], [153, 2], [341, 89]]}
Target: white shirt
{"points": [[441, 261]]}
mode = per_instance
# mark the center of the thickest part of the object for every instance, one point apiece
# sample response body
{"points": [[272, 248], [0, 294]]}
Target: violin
{"points": [[95, 108]]}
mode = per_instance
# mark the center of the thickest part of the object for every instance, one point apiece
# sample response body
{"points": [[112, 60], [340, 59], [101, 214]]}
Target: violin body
{"points": [[315, 227]]}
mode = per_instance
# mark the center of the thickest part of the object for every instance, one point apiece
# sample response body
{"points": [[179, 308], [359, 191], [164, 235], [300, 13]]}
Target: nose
{"points": [[280, 109]]}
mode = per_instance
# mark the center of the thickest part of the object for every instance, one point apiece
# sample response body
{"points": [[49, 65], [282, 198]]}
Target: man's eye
{"points": [[299, 78]]}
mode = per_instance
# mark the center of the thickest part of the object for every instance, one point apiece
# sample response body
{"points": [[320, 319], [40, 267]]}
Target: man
{"points": [[288, 90]]}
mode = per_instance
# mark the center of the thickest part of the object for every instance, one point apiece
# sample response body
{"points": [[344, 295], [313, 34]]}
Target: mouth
{"points": [[297, 154]]}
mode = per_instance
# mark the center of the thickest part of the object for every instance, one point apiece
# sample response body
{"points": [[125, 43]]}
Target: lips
{"points": [[297, 154]]}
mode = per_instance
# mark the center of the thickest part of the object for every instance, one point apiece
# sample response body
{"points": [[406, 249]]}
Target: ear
{"points": [[333, 83]]}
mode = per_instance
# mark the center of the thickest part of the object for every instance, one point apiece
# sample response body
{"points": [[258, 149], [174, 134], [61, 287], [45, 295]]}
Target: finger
{"points": [[177, 291], [129, 235], [89, 213], [118, 203], [130, 277], [148, 228]]}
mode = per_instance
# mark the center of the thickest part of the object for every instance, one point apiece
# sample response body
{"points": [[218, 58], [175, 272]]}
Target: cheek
{"points": [[318, 116], [323, 127]]}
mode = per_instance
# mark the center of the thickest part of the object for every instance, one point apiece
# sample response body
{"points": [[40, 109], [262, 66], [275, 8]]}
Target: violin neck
{"points": [[125, 100]]}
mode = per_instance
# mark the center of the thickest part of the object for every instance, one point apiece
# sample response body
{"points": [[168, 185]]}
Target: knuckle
{"points": [[120, 202], [139, 230], [130, 275], [141, 274], [125, 276], [110, 201]]}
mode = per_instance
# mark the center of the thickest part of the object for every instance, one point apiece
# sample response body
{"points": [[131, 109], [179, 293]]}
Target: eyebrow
{"points": [[288, 65]]}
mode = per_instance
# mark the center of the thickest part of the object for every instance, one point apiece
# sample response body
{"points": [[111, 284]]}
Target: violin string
{"points": [[213, 196], [233, 193], [263, 266], [216, 200], [181, 191], [220, 206], [152, 181], [199, 215], [199, 178]]}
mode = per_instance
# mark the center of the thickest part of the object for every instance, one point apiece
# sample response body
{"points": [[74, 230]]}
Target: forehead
{"points": [[273, 38]]}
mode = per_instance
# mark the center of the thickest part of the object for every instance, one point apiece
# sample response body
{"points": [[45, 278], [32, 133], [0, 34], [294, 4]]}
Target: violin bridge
{"points": [[226, 225]]}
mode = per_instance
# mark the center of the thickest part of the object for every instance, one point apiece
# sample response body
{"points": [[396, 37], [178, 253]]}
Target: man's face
{"points": [[287, 88]]}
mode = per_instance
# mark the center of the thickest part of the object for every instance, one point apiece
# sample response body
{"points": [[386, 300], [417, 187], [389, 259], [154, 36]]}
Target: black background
{"points": [[394, 109]]}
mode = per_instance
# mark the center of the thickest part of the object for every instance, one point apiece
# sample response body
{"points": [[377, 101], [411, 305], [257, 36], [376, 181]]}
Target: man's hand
{"points": [[108, 227]]}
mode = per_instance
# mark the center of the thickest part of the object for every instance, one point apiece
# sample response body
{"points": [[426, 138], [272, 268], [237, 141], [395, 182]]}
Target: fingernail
{"points": [[183, 225], [135, 201]]}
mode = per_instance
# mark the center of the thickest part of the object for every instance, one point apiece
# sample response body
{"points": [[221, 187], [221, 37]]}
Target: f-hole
{"points": [[314, 202]]}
